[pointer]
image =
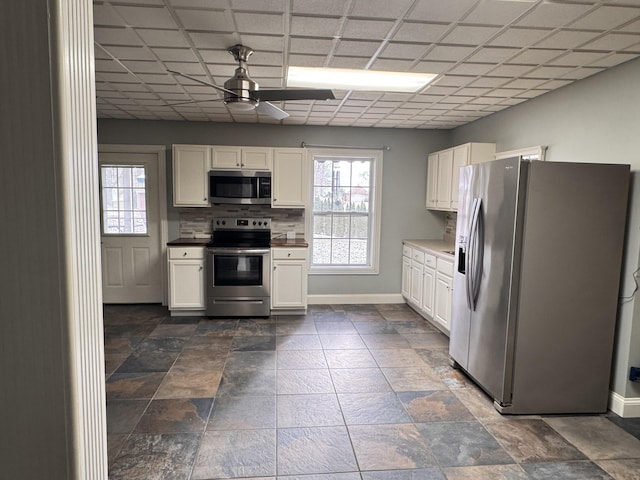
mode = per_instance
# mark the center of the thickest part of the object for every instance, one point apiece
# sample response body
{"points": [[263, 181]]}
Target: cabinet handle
{"points": [[184, 254], [288, 254], [200, 268], [274, 267]]}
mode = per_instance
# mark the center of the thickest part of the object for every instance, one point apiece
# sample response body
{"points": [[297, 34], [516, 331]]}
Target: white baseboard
{"points": [[625, 407], [351, 299]]}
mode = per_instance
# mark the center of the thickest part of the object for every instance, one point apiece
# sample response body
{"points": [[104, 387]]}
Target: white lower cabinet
{"points": [[427, 280], [289, 278], [186, 278]]}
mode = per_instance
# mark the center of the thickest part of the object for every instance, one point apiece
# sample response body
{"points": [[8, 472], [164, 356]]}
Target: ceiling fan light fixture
{"points": [[351, 79]]}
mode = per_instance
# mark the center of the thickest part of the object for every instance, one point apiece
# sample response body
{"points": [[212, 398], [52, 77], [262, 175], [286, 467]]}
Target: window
{"points": [[345, 210], [123, 198]]}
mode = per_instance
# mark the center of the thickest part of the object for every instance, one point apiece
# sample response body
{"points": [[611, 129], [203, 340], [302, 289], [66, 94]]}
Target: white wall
{"points": [[403, 189], [593, 120]]}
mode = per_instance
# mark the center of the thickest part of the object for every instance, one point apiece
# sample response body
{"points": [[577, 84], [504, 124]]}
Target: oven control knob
{"points": [[217, 222], [224, 222], [254, 222], [265, 224]]}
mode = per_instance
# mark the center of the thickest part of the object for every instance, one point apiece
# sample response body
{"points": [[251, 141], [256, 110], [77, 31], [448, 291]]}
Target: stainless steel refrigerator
{"points": [[536, 284]]}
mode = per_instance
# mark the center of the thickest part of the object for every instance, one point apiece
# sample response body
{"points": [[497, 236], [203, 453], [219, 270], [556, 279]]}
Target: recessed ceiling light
{"points": [[348, 79]]}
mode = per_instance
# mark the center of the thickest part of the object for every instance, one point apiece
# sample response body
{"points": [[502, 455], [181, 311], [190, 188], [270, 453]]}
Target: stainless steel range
{"points": [[238, 275]]}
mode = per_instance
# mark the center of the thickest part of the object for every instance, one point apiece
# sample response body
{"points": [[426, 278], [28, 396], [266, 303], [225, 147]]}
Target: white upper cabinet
{"points": [[443, 172], [236, 158], [191, 165], [290, 178]]}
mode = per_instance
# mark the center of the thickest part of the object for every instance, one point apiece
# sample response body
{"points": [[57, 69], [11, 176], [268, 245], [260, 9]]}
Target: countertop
{"points": [[439, 247], [202, 242]]}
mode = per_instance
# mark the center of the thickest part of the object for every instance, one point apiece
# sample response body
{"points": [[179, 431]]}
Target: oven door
{"points": [[237, 278]]}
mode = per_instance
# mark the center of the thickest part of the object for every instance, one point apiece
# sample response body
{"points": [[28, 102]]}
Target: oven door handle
{"points": [[236, 251]]}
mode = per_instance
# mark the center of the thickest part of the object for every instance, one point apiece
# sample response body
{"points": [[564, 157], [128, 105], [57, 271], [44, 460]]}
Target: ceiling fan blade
{"points": [[202, 82], [271, 110], [308, 94], [190, 102]]}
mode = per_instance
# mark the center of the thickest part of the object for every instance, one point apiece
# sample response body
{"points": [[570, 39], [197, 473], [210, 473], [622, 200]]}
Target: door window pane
{"points": [[123, 199]]}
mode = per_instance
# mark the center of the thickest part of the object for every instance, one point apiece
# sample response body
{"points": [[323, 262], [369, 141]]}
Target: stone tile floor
{"points": [[343, 393]]}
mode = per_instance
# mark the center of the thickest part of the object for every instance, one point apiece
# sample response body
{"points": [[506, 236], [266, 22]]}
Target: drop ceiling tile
{"points": [[307, 60], [472, 91], [404, 50], [505, 92], [175, 54], [162, 38], [468, 68], [115, 36], [156, 78], [566, 39], [549, 72], [606, 17], [380, 8], [271, 43], [314, 26], [106, 15], [511, 70], [108, 66], [535, 56], [612, 41], [349, 62], [356, 48], [449, 53], [519, 37], [261, 6], [553, 84], [547, 14], [166, 88], [469, 35], [419, 32], [460, 99], [493, 54], [366, 29], [205, 20], [441, 11], [431, 66], [437, 90], [314, 7], [115, 77], [533, 93], [455, 80], [210, 4], [497, 12], [217, 56], [260, 23], [129, 53], [614, 59], [220, 41], [525, 83], [580, 73], [268, 72], [144, 67], [490, 82], [576, 59], [633, 27], [392, 65], [153, 17], [313, 46]]}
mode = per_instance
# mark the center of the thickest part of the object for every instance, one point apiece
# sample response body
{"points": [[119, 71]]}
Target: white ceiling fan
{"points": [[243, 94]]}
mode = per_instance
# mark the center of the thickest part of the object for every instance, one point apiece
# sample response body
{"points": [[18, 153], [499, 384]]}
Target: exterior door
{"points": [[130, 228]]}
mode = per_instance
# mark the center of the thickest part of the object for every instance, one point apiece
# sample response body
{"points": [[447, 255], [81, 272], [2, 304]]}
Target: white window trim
{"points": [[537, 151], [374, 268]]}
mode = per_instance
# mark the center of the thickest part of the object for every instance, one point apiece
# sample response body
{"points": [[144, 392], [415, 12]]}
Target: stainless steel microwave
{"points": [[240, 187]]}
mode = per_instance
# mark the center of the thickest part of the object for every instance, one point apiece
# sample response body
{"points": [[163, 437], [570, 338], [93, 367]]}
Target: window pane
{"points": [[340, 252], [322, 226], [322, 199], [322, 173], [123, 199], [359, 226], [340, 226], [340, 199], [361, 174], [359, 252], [321, 251], [360, 199]]}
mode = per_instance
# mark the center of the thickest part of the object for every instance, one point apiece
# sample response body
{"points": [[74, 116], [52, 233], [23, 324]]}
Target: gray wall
{"points": [[403, 189], [594, 120]]}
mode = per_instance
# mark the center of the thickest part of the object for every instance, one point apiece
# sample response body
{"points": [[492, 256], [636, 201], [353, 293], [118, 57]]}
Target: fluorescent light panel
{"points": [[348, 79]]}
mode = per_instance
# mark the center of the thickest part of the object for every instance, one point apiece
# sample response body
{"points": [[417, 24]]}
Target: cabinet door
{"points": [[190, 175], [443, 298], [257, 158], [445, 170], [290, 178], [428, 290], [416, 284], [460, 159], [226, 158], [186, 285], [406, 277], [432, 181], [289, 284]]}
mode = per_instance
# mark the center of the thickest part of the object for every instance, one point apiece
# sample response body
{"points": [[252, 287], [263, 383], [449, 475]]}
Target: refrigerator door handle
{"points": [[475, 254]]}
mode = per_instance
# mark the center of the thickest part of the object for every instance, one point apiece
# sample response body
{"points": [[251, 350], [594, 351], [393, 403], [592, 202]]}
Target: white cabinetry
{"points": [[235, 158], [290, 178], [443, 172], [427, 284], [191, 164], [443, 293], [186, 278], [289, 278]]}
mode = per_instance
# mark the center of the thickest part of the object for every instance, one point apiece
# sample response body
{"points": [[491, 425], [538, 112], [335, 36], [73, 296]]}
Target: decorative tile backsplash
{"points": [[450, 227], [196, 222]]}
